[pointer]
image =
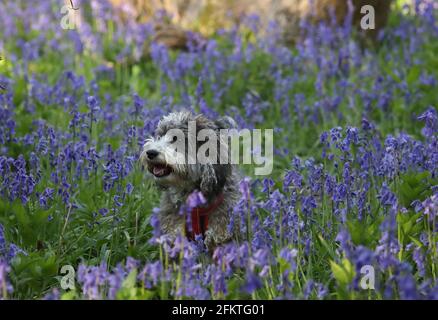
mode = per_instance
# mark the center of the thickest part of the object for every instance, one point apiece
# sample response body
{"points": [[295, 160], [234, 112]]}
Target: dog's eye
{"points": [[174, 138]]}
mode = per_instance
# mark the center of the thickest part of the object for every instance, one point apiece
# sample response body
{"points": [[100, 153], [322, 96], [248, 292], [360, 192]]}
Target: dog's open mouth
{"points": [[159, 170]]}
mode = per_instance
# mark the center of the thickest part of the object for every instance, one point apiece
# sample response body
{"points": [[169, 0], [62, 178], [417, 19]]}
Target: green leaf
{"points": [[326, 246], [344, 272], [69, 295], [130, 280]]}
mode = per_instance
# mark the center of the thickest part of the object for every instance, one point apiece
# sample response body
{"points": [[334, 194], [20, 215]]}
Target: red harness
{"points": [[200, 217]]}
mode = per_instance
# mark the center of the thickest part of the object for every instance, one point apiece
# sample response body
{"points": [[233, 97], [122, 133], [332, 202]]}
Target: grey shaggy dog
{"points": [[178, 180]]}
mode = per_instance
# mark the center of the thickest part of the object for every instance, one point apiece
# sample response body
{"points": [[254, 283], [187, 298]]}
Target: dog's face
{"points": [[170, 165]]}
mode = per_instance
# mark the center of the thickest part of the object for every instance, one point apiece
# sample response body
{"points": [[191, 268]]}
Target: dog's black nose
{"points": [[152, 154]]}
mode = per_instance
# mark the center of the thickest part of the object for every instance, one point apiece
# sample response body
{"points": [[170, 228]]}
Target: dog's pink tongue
{"points": [[158, 171]]}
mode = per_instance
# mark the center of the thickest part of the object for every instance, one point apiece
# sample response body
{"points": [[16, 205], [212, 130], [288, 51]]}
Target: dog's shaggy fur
{"points": [[178, 181]]}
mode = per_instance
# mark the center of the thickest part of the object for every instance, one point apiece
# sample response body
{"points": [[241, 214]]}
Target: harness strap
{"points": [[199, 217]]}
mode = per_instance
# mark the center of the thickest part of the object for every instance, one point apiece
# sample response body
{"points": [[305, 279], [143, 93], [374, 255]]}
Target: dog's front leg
{"points": [[217, 232], [172, 224]]}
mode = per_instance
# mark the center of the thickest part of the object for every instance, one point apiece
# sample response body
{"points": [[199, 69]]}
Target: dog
{"points": [[217, 181]]}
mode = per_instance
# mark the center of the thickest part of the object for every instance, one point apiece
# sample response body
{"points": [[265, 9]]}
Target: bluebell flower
{"points": [[252, 283], [5, 286], [430, 117], [407, 287], [92, 280], [344, 238]]}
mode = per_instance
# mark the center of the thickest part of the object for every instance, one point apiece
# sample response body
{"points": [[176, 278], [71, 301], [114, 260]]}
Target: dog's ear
{"points": [[213, 178], [226, 122]]}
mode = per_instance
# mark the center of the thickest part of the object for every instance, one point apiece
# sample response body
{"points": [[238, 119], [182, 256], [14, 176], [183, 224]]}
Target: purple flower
{"points": [[430, 117], [14, 250], [386, 196], [252, 283], [129, 188], [195, 199], [407, 287], [219, 281], [46, 196], [5, 286], [430, 206], [344, 238], [8, 250], [118, 200], [115, 280], [53, 295], [292, 178], [308, 204], [155, 223], [92, 279], [151, 274], [419, 259], [289, 256], [3, 245], [267, 185], [244, 188]]}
